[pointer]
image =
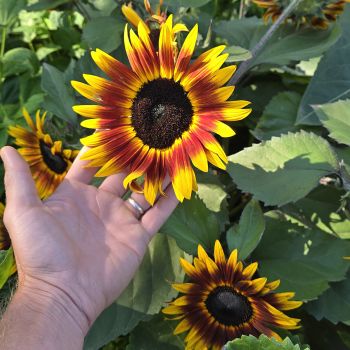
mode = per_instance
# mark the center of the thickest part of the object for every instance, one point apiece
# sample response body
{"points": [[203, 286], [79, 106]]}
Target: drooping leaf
{"points": [[156, 334], [331, 80], [237, 54], [287, 44], [59, 97], [305, 260], [46, 5], [246, 236], [7, 265], [94, 33], [9, 9], [284, 169], [145, 295], [333, 304], [336, 118], [19, 60], [279, 116], [262, 343], [192, 223]]}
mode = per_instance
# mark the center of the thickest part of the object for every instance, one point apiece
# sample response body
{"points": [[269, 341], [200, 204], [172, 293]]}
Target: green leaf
{"points": [[333, 304], [262, 343], [336, 118], [60, 96], [192, 223], [246, 236], [279, 116], [46, 5], [9, 9], [145, 295], [7, 265], [187, 3], [156, 334], [104, 33], [331, 80], [237, 54], [305, 260], [18, 61], [287, 44], [284, 169]]}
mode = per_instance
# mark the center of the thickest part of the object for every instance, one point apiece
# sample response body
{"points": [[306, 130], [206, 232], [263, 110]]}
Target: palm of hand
{"points": [[84, 242]]}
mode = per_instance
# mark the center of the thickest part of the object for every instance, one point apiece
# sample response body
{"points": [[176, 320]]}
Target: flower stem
{"points": [[3, 42], [243, 68]]}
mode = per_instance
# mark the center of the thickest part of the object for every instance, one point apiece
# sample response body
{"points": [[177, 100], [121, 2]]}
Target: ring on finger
{"points": [[136, 206]]}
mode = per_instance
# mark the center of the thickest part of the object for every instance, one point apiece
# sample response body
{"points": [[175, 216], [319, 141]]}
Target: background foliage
{"points": [[284, 200]]}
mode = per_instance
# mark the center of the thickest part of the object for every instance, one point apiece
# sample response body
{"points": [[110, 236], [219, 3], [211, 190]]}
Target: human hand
{"points": [[82, 246]]}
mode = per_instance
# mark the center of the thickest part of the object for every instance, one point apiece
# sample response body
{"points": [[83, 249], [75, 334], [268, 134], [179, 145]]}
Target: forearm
{"points": [[37, 320]]}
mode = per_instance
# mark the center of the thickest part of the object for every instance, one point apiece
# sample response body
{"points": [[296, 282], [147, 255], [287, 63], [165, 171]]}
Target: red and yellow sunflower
{"points": [[319, 14], [156, 117], [49, 162], [223, 301]]}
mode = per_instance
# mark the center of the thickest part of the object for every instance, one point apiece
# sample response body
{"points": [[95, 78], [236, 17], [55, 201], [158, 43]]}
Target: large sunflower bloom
{"points": [[49, 162], [319, 15], [224, 302], [4, 236], [157, 116]]}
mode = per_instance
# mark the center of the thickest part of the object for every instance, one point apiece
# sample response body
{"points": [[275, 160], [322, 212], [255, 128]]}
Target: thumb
{"points": [[19, 184]]}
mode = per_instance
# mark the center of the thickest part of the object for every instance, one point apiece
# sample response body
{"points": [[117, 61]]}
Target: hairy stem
{"points": [[244, 67], [3, 42]]}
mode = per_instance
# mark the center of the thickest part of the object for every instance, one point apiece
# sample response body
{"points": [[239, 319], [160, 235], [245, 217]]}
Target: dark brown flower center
{"points": [[54, 161], [161, 112], [229, 307]]}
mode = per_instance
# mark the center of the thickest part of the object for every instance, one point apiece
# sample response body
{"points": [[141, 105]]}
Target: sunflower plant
{"points": [[243, 108]]}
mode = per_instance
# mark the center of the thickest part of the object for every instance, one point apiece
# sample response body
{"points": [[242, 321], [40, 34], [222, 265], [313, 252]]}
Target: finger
{"points": [[114, 184], [154, 218], [141, 200], [19, 184], [79, 172]]}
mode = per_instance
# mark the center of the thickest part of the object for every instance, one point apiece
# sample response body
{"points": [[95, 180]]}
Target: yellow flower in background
{"points": [[319, 14], [49, 162], [156, 116], [4, 236], [224, 301], [153, 23]]}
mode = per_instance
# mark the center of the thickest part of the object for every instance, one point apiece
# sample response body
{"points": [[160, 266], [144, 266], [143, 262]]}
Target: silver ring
{"points": [[136, 206]]}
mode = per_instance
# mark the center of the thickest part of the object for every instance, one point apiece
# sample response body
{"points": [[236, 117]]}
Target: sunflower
{"points": [[224, 302], [48, 160], [316, 13], [4, 236], [154, 118]]}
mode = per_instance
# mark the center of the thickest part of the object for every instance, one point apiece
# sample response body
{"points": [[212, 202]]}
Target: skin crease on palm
{"points": [[81, 246]]}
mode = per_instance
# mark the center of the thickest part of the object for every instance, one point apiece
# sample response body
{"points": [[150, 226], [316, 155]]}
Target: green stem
{"points": [[244, 67], [3, 42]]}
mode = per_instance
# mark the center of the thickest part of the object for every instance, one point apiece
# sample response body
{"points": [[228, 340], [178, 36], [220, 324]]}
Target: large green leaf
{"points": [[59, 97], [104, 33], [192, 223], [262, 343], [18, 61], [331, 81], [305, 260], [187, 3], [247, 234], [333, 304], [7, 265], [287, 44], [283, 169], [156, 334], [336, 118], [9, 9], [145, 295], [279, 116]]}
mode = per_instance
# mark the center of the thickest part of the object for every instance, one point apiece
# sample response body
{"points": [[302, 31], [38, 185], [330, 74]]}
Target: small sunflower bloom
{"points": [[5, 242], [318, 14], [49, 162], [223, 302], [156, 117], [153, 23]]}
